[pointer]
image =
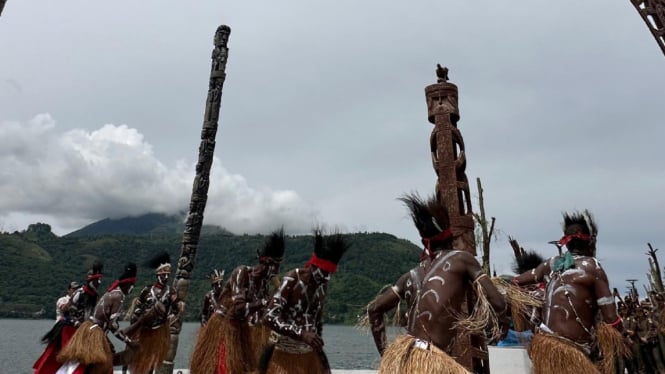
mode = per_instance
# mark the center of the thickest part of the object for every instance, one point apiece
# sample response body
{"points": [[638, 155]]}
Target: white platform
{"points": [[502, 361]]}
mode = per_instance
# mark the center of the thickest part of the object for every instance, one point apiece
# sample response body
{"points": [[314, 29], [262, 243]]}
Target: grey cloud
{"points": [[561, 107], [112, 172]]}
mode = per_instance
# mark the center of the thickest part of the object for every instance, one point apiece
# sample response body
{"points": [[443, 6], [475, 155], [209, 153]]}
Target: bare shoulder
{"points": [[589, 264]]}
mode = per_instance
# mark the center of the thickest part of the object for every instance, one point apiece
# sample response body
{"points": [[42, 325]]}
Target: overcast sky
{"points": [[324, 119]]}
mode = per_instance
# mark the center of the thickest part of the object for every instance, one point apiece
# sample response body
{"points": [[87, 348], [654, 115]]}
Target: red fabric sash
{"points": [[427, 242], [322, 264], [119, 282], [93, 277], [89, 290], [578, 235]]}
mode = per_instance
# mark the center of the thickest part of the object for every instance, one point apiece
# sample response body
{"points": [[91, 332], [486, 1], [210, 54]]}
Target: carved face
{"points": [[163, 278], [221, 36]]}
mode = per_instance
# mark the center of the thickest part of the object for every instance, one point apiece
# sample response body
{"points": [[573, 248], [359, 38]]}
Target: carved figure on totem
{"points": [[576, 290], [77, 307], [439, 318], [212, 300], [90, 350], [295, 312], [150, 317], [231, 340], [449, 159]]}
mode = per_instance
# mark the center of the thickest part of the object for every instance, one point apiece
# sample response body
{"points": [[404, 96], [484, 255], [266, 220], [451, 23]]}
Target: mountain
{"points": [[151, 223], [37, 265]]}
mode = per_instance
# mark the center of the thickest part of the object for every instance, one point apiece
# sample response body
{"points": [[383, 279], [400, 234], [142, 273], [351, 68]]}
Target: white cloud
{"points": [[80, 176]]}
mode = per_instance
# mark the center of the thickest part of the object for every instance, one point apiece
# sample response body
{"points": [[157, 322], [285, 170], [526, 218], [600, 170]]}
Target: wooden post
{"points": [[194, 222], [655, 269], [486, 232], [452, 189]]}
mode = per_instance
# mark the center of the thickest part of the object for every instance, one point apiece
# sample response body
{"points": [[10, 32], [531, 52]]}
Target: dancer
{"points": [[295, 312], [232, 339], [89, 350], [212, 299], [439, 317], [407, 288], [576, 289], [149, 320], [72, 309]]}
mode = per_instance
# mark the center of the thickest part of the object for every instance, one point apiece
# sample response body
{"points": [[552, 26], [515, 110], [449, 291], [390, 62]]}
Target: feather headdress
{"points": [[328, 250], [161, 262], [579, 230], [273, 247]]}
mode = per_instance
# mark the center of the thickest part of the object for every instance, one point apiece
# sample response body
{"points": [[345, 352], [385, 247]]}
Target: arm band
{"points": [[617, 322]]}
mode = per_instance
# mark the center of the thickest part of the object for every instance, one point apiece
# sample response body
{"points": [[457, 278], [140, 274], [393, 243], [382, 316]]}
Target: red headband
{"points": [[322, 264], [93, 276], [443, 235], [121, 281], [578, 235]]}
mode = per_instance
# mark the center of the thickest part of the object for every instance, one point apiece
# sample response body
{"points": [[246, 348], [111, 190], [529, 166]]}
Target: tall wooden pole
{"points": [[449, 159], [452, 189], [190, 239], [653, 14]]}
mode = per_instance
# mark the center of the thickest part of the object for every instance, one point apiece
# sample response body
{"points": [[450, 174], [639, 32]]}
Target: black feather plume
{"points": [[97, 267], [331, 247], [526, 261], [274, 245], [128, 272], [158, 259], [430, 217]]}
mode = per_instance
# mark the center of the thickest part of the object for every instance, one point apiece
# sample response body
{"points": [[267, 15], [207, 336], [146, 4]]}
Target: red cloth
{"points": [[221, 365], [46, 363]]}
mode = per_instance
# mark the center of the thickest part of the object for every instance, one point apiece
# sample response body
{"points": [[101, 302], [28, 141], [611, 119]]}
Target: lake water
{"points": [[346, 347]]}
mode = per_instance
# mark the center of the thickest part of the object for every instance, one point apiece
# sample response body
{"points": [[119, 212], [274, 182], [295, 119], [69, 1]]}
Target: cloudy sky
{"points": [[324, 119]]}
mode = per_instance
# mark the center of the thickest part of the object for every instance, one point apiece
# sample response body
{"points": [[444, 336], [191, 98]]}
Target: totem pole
{"points": [[449, 159], [452, 188], [653, 14], [192, 233]]}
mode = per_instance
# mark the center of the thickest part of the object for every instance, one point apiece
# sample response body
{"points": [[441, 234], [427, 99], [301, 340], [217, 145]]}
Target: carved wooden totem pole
{"points": [[449, 159], [192, 233], [452, 189], [653, 14]]}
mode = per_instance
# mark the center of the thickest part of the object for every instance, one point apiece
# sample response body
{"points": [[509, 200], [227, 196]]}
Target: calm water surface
{"points": [[347, 347]]}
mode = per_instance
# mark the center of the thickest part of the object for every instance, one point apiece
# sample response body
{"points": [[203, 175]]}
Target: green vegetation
{"points": [[37, 265]]}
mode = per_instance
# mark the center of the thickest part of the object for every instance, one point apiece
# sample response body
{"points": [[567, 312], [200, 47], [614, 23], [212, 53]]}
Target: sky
{"points": [[323, 117]]}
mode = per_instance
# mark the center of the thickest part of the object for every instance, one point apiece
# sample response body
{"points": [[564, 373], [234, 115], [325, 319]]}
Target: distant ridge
{"points": [[151, 223]]}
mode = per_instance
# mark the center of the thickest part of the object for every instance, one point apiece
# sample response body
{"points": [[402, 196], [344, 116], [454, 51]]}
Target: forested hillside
{"points": [[37, 265]]}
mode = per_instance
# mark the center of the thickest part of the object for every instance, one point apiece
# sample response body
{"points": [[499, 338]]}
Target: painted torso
{"points": [[297, 305], [442, 294], [156, 297], [82, 305], [245, 295], [570, 304]]}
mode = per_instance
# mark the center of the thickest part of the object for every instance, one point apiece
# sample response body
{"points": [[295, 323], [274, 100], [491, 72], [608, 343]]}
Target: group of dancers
{"points": [[255, 322]]}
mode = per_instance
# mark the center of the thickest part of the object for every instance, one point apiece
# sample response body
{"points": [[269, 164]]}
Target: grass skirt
{"points": [[401, 357], [258, 340], [295, 363], [89, 346], [551, 354], [206, 355], [612, 345], [153, 347]]}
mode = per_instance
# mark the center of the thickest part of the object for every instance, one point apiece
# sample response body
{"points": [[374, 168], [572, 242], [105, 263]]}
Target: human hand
{"points": [[312, 339]]}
